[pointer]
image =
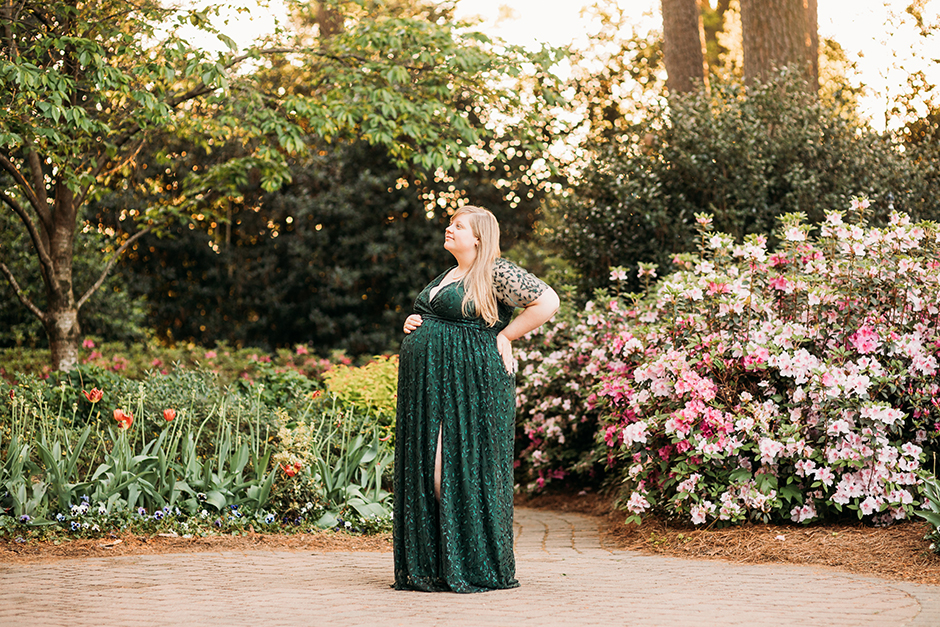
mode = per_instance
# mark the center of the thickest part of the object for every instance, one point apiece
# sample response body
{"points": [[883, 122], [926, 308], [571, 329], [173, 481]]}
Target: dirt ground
{"points": [[897, 552]]}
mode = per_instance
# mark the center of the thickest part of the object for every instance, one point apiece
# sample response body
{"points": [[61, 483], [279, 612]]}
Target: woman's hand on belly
{"points": [[412, 322]]}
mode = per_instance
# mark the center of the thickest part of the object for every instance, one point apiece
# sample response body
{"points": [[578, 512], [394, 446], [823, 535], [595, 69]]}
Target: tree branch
{"points": [[21, 294], [39, 189], [107, 269], [41, 209], [201, 90], [45, 261]]}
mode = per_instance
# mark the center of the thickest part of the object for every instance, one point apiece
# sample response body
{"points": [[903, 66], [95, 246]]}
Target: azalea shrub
{"points": [[789, 385], [560, 365]]}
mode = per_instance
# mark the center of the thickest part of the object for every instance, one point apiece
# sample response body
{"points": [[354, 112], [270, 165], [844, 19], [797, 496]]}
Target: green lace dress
{"points": [[452, 379]]}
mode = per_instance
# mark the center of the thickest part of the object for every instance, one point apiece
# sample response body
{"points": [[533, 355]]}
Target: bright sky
{"points": [[885, 49]]}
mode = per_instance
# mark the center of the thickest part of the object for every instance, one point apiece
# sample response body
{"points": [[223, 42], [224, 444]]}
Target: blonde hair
{"points": [[478, 282]]}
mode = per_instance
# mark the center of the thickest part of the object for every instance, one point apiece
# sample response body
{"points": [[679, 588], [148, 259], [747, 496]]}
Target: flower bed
{"points": [[795, 386], [92, 452]]}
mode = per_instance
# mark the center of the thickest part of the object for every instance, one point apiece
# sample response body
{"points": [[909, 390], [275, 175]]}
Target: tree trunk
{"points": [[683, 45], [61, 319], [329, 20], [64, 336], [777, 34], [812, 26], [713, 22]]}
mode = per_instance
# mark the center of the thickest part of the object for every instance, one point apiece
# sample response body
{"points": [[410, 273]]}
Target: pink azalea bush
{"points": [[561, 365], [791, 385]]}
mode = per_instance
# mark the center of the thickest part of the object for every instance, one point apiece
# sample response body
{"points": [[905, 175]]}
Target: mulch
{"points": [[129, 544], [897, 552]]}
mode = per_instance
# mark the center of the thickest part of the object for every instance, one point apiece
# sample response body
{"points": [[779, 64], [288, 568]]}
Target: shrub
{"points": [[137, 360], [372, 387], [798, 385], [745, 155], [557, 417]]}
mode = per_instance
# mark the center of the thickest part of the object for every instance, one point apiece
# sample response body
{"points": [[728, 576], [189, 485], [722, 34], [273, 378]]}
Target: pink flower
{"points": [[717, 288], [824, 475], [869, 505], [637, 503], [860, 203], [865, 340], [211, 354], [87, 343], [301, 349], [781, 284], [769, 449], [795, 234]]}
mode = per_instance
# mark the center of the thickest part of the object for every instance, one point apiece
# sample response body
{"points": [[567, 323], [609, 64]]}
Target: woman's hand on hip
{"points": [[412, 322], [504, 346]]}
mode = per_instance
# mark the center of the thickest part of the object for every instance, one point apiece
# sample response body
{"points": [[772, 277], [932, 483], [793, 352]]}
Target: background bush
{"points": [[744, 155]]}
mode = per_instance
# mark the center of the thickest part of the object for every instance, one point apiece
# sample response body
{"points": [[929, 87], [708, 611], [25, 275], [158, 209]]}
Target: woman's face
{"points": [[458, 237]]}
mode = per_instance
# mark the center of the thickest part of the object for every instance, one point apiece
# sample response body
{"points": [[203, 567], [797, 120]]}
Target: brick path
{"points": [[567, 577]]}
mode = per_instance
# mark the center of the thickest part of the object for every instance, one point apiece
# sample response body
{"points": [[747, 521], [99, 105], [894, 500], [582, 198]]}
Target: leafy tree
{"points": [[87, 87], [334, 258], [745, 155]]}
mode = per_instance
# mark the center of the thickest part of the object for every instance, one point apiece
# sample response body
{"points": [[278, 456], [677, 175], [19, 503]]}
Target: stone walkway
{"points": [[568, 578]]}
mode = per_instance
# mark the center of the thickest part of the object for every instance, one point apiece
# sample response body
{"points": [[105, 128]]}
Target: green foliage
{"points": [[931, 494], [343, 250], [88, 88], [336, 459], [63, 457], [372, 387], [743, 155]]}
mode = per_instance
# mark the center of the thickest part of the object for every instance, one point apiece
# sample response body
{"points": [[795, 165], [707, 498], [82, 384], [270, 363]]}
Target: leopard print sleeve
{"points": [[514, 286]]}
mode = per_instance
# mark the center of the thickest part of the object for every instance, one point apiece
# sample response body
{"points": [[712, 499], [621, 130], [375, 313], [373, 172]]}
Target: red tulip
{"points": [[94, 396], [169, 414], [11, 394], [291, 469], [124, 419]]}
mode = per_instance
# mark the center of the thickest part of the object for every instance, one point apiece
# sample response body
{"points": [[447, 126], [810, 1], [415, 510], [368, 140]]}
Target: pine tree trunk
{"points": [[683, 45], [777, 34]]}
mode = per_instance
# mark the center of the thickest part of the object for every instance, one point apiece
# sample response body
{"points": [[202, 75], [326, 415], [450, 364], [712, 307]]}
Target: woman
{"points": [[456, 415]]}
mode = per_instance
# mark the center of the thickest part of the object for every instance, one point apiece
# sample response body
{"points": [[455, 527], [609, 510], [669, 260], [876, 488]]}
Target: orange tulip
{"points": [[94, 396], [124, 419], [169, 414], [291, 469]]}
